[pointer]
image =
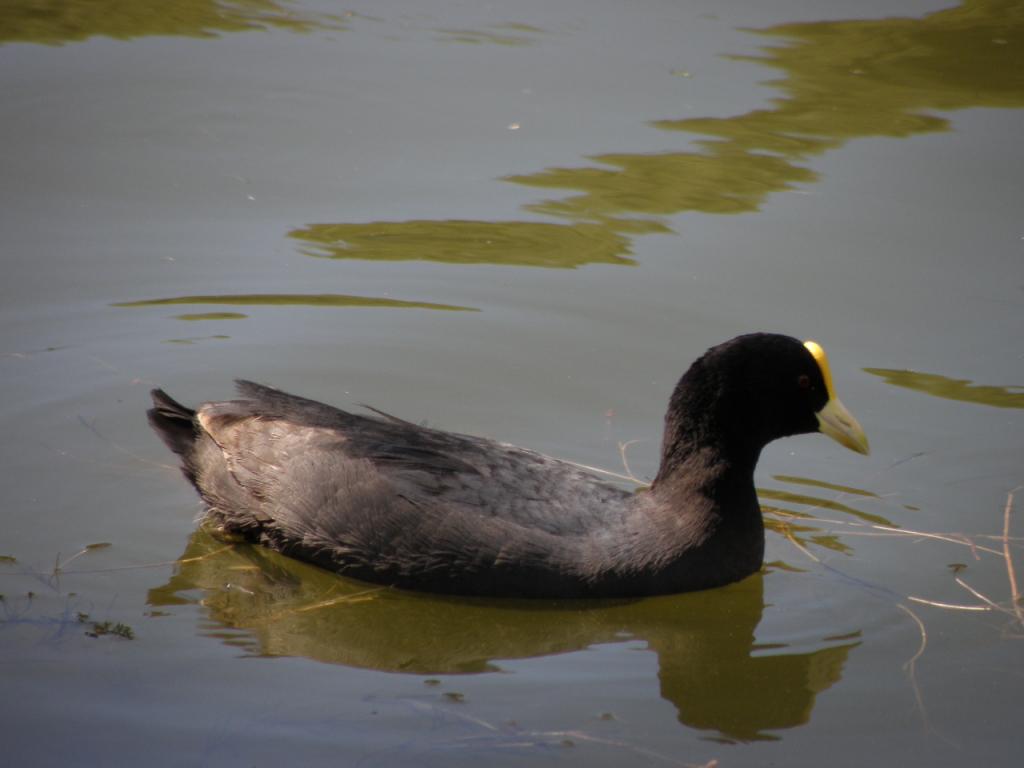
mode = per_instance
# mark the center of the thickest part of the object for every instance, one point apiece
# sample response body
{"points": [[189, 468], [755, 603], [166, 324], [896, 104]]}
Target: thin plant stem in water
{"points": [[1010, 572], [625, 462]]}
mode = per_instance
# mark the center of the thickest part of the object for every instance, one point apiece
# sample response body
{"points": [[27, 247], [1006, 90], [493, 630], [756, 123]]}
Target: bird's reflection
{"points": [[710, 668]]}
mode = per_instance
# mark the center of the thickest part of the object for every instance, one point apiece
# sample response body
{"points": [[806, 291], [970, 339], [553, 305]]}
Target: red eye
{"points": [[804, 381]]}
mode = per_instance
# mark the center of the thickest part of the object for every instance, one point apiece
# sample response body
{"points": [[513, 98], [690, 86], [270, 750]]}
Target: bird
{"points": [[383, 500]]}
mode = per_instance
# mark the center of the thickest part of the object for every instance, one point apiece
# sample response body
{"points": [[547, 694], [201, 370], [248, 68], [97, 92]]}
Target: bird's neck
{"points": [[701, 452], [705, 470], [699, 525]]}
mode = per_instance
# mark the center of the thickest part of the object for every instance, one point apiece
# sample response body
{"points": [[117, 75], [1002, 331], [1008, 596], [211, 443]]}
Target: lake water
{"points": [[521, 220]]}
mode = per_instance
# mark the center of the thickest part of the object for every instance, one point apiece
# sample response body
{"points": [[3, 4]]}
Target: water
{"points": [[522, 222]]}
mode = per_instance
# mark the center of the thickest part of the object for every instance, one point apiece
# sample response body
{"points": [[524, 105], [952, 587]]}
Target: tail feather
{"points": [[173, 422]]}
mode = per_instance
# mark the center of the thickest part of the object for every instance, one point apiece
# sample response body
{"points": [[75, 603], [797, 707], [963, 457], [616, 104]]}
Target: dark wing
{"points": [[383, 498]]}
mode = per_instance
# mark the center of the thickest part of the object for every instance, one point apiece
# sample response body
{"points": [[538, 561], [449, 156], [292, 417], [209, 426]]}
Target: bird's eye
{"points": [[803, 381]]}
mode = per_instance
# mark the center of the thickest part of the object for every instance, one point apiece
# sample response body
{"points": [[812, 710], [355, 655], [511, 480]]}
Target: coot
{"points": [[380, 499]]}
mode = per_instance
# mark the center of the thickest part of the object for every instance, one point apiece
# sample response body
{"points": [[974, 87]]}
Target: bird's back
{"points": [[382, 499]]}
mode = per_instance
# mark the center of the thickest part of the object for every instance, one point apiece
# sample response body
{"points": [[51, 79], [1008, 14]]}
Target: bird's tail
{"points": [[173, 422]]}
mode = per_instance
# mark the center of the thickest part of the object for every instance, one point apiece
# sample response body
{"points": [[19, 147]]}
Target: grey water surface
{"points": [[521, 220]]}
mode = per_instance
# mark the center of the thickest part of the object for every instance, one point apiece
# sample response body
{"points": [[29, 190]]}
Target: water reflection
{"points": [[710, 667], [841, 80], [953, 389], [812, 482], [510, 243], [287, 300], [211, 316], [66, 21], [196, 339], [818, 502], [799, 521], [497, 34]]}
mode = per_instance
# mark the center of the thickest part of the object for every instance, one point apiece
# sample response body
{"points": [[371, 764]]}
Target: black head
{"points": [[741, 395]]}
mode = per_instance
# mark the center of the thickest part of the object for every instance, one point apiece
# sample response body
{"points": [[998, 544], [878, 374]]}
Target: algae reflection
{"points": [[508, 243], [963, 390], [508, 33], [710, 667], [840, 81], [284, 300], [55, 22]]}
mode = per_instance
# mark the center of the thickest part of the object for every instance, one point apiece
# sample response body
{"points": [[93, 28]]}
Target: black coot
{"points": [[384, 500]]}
